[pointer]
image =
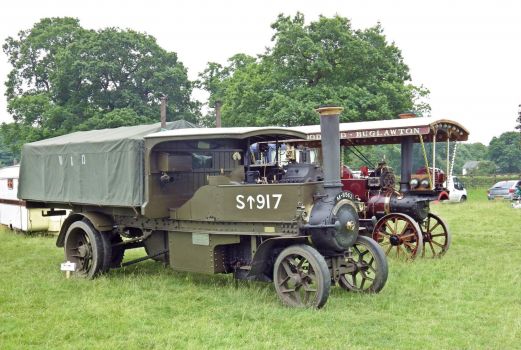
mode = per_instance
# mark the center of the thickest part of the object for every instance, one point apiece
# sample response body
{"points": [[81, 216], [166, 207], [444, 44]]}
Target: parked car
{"points": [[503, 189], [457, 190]]}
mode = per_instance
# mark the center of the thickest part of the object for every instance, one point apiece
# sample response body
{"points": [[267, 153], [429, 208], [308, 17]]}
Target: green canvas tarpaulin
{"points": [[98, 167]]}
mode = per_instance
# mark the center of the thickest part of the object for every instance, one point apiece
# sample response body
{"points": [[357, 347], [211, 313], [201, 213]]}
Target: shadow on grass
{"points": [[158, 269]]}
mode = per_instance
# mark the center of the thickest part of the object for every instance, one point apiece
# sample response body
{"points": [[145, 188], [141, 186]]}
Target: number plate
{"points": [[344, 195]]}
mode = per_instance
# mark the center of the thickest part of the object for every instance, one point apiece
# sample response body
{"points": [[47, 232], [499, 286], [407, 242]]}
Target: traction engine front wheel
{"points": [[399, 235], [301, 277]]}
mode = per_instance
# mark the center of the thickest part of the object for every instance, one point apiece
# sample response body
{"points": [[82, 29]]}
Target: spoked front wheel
{"points": [[436, 236], [301, 277], [365, 269], [399, 236]]}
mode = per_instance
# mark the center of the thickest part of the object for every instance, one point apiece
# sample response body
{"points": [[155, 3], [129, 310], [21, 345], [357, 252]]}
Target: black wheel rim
{"points": [[79, 250]]}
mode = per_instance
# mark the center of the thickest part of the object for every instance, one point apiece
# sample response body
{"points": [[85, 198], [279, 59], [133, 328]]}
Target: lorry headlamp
{"points": [[425, 183], [414, 183]]}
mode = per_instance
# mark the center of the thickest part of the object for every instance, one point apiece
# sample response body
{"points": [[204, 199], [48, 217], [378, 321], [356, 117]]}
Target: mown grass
{"points": [[469, 299]]}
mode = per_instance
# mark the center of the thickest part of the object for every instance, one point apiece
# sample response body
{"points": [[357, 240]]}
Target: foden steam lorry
{"points": [[196, 200]]}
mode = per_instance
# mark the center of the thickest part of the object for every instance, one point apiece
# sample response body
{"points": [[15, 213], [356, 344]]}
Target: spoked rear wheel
{"points": [[366, 267], [436, 236], [399, 236], [301, 277], [84, 246]]}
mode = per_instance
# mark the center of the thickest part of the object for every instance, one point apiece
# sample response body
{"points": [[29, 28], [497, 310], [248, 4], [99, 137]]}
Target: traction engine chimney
{"points": [[330, 138]]}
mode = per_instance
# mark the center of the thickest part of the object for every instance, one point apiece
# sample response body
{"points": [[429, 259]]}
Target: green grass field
{"points": [[469, 299]]}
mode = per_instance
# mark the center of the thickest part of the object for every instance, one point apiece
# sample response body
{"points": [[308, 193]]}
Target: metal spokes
{"points": [[399, 236], [363, 265], [79, 250], [297, 280], [301, 277], [364, 268], [436, 236]]}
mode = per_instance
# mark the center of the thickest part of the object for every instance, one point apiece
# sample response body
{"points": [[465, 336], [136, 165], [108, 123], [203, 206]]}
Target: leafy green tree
{"points": [[505, 151], [323, 62], [66, 78]]}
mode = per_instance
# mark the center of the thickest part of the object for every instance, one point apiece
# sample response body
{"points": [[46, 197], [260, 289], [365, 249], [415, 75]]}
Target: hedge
{"points": [[486, 181]]}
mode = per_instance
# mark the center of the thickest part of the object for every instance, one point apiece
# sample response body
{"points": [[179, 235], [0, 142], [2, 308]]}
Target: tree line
{"points": [[66, 78]]}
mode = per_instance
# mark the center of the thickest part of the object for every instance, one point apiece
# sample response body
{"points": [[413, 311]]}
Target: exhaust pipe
{"points": [[330, 138]]}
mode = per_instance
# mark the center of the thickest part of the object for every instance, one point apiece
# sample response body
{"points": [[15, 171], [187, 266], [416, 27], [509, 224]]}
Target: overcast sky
{"points": [[467, 53]]}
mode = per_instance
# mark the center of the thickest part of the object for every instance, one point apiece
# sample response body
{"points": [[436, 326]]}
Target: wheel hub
{"points": [[84, 251], [395, 240], [297, 280]]}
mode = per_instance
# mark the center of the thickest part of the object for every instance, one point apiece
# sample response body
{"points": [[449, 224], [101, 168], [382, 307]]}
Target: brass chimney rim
{"points": [[329, 111]]}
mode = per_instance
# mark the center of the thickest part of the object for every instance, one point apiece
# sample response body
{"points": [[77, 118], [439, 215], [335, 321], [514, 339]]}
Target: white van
{"points": [[457, 190]]}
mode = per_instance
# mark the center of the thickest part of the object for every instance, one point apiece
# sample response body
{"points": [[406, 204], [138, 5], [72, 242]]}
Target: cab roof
{"points": [[259, 134]]}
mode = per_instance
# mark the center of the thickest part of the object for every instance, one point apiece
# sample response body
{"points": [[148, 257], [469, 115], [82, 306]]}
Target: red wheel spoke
{"points": [[390, 228], [406, 254], [383, 233], [411, 246], [412, 234], [404, 229]]}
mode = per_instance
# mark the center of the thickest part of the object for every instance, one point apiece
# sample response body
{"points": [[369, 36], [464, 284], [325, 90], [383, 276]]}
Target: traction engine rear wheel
{"points": [[368, 267], [301, 277], [399, 235], [436, 236]]}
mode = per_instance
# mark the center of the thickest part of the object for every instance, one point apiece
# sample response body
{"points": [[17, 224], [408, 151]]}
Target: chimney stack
{"points": [[164, 101], [330, 136]]}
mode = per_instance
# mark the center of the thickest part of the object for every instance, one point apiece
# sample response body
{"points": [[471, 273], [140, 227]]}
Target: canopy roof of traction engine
{"points": [[390, 131]]}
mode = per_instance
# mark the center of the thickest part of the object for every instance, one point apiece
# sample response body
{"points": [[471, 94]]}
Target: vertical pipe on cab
{"points": [[330, 138]]}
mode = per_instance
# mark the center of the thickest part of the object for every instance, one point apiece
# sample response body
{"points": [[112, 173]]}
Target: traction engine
{"points": [[400, 220]]}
